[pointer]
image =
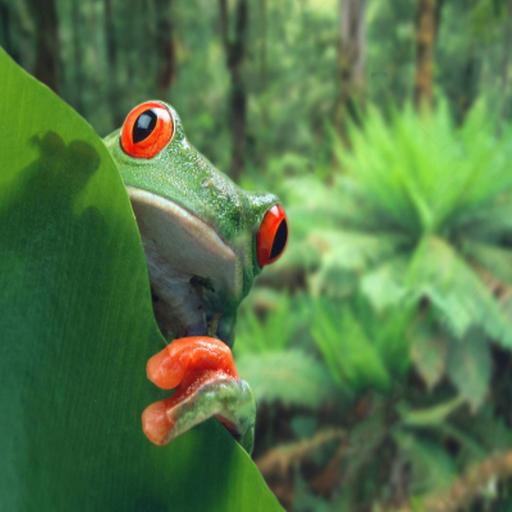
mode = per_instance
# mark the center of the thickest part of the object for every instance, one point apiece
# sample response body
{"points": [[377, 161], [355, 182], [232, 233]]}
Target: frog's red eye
{"points": [[272, 237], [147, 130]]}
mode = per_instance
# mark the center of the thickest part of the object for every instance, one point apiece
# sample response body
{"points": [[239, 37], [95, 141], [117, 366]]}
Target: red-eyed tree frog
{"points": [[205, 240]]}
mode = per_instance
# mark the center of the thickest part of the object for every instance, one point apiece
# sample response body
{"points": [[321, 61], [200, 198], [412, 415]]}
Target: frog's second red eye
{"points": [[147, 130], [272, 236]]}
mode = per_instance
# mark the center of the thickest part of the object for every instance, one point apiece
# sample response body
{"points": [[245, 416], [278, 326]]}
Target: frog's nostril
{"points": [[272, 236]]}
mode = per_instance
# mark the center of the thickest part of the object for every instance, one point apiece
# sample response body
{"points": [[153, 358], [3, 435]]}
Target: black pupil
{"points": [[279, 240], [144, 125]]}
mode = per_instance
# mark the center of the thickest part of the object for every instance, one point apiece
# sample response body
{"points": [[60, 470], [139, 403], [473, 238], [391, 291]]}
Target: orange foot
{"points": [[207, 384]]}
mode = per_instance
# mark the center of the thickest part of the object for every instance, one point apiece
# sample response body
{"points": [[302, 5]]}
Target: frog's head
{"points": [[205, 238]]}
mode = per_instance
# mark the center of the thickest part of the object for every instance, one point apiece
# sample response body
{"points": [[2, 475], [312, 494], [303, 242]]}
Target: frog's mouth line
{"points": [[195, 275]]}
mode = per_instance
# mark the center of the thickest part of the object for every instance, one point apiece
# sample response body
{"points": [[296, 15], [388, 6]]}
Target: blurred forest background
{"points": [[379, 346]]}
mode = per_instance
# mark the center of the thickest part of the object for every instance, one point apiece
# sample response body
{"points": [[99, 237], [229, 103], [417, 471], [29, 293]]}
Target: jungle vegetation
{"points": [[379, 346]]}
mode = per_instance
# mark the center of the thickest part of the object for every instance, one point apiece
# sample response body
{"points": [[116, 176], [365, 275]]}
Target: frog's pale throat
{"points": [[190, 267]]}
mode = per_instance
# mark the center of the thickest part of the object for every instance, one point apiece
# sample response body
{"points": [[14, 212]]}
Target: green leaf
{"points": [[470, 366], [429, 349], [353, 358], [356, 250], [486, 222], [431, 416], [496, 260], [269, 334], [460, 297], [291, 377], [431, 467], [384, 285], [365, 439], [76, 331], [489, 432]]}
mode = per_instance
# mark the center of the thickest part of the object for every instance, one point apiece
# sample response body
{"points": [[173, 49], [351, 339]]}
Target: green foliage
{"points": [[271, 334], [76, 331], [290, 70], [403, 253], [399, 262], [431, 466], [429, 349], [398, 255], [361, 351], [293, 378], [265, 357], [426, 209], [430, 416], [469, 366], [419, 175]]}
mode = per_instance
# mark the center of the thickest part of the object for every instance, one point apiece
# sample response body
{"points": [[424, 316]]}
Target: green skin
{"points": [[180, 176]]}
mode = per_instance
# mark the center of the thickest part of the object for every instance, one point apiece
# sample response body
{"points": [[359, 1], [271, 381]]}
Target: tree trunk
{"points": [[5, 34], [235, 53], [469, 89], [262, 141], [47, 60], [110, 40], [165, 46], [93, 39], [425, 38], [351, 60], [78, 54], [263, 48]]}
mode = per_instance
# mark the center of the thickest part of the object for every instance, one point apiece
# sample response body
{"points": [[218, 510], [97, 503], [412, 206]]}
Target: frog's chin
{"points": [[196, 277]]}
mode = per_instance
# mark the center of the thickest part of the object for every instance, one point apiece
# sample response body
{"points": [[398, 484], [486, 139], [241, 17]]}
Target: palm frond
{"points": [[269, 334], [291, 377], [496, 260], [359, 358], [384, 286], [459, 296]]}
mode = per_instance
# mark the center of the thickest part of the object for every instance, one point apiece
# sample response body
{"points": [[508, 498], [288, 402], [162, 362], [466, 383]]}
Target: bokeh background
{"points": [[378, 346]]}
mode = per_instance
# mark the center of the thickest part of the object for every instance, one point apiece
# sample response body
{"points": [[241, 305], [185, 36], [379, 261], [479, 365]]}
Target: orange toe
{"points": [[164, 370], [155, 422], [186, 358]]}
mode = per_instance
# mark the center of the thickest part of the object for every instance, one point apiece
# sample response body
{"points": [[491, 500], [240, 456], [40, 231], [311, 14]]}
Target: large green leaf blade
{"points": [[76, 331]]}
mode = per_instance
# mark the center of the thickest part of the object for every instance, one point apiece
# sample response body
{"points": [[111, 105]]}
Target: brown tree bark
{"points": [[165, 49], [351, 59], [5, 34], [77, 46], [426, 28], [235, 54], [112, 60], [47, 58]]}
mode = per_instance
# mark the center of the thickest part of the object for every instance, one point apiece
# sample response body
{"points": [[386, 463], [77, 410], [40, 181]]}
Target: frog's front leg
{"points": [[207, 384]]}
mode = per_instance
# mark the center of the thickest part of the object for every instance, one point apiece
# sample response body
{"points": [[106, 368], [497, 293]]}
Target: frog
{"points": [[205, 241]]}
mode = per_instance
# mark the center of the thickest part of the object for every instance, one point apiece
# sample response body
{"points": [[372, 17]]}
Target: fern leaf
{"points": [[469, 366], [291, 377], [459, 295], [496, 260]]}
